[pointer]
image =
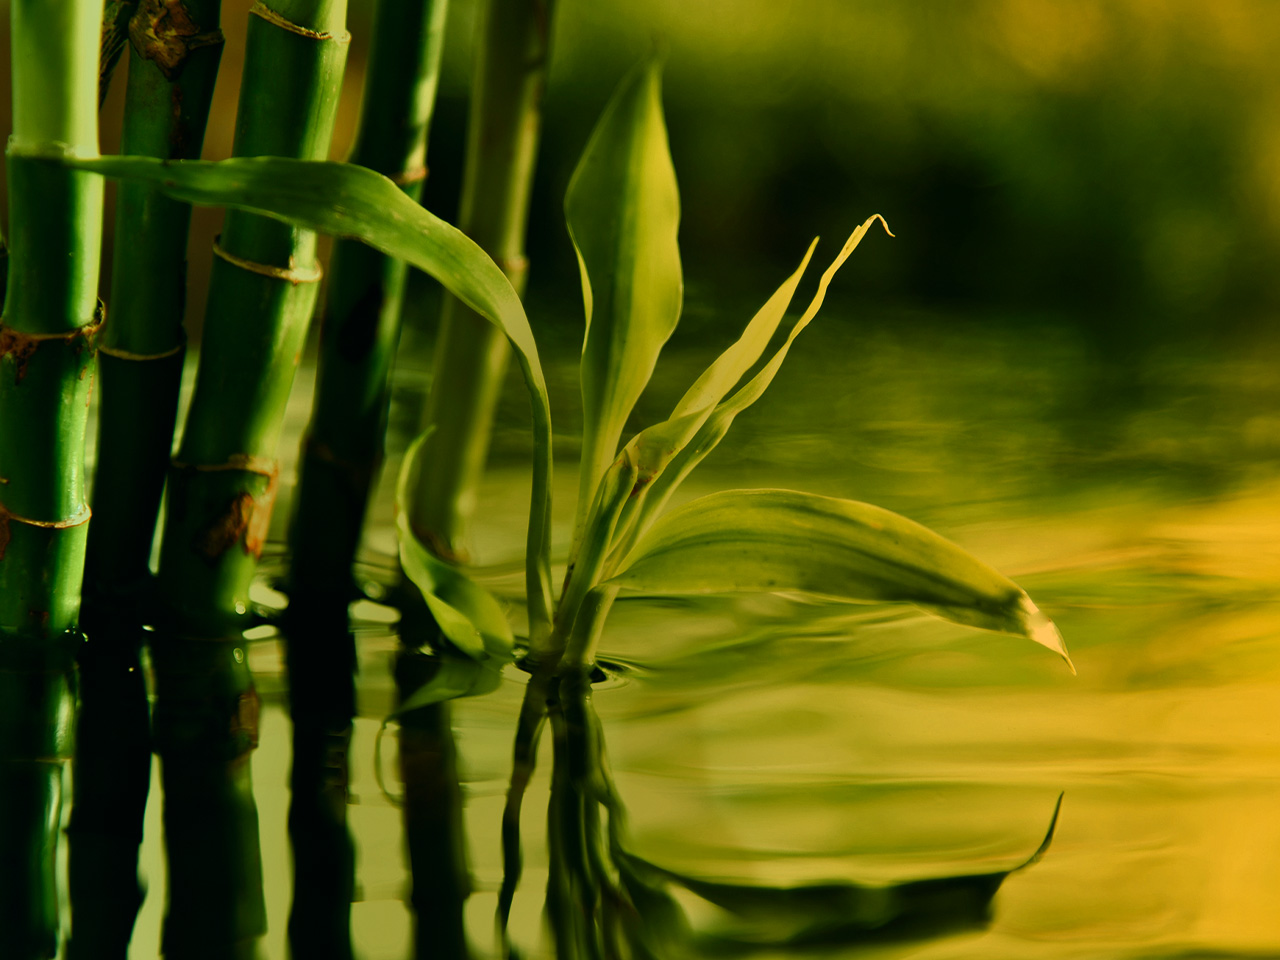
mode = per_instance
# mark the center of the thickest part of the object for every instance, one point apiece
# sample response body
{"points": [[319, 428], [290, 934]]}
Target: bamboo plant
{"points": [[221, 485], [470, 355], [621, 209], [172, 69], [341, 452], [48, 335]]}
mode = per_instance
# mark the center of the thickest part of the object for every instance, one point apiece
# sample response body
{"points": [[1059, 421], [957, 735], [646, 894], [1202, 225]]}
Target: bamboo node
{"points": [[162, 31], [49, 149], [128, 355], [260, 9], [246, 518], [7, 517], [23, 345], [294, 275]]}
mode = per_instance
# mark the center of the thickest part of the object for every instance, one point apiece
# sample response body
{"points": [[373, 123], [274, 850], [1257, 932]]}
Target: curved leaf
{"points": [[623, 212], [785, 541], [349, 201], [468, 615]]}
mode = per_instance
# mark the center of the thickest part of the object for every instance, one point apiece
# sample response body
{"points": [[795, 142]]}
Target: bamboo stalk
{"points": [[344, 441], [172, 70], [221, 487], [340, 456], [47, 340], [470, 358]]}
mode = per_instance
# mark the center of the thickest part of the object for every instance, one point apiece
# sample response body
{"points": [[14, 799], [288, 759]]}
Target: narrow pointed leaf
{"points": [[667, 452], [344, 200], [623, 212], [469, 616], [728, 368], [785, 541]]}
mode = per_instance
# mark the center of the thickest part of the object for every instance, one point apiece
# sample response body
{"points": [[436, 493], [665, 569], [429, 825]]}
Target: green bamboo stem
{"points": [[176, 50], [221, 487], [344, 442], [340, 456], [47, 336], [471, 357]]}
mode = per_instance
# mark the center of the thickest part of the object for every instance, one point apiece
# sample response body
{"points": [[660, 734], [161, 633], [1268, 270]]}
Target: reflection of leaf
{"points": [[623, 210], [343, 200], [836, 914], [467, 614], [454, 677], [786, 541]]}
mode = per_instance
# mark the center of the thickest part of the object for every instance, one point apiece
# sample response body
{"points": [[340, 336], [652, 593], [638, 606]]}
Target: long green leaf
{"points": [[623, 212], [350, 201], [468, 615], [667, 452], [785, 541]]}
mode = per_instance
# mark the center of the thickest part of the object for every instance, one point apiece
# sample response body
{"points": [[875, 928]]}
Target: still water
{"points": [[772, 743]]}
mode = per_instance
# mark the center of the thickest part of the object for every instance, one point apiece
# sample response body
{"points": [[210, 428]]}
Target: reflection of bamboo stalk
{"points": [[339, 459], [221, 489], [471, 356], [47, 341], [433, 822], [176, 50]]}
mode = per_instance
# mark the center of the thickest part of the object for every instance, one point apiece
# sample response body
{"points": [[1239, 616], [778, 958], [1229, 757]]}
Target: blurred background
{"points": [[1112, 161]]}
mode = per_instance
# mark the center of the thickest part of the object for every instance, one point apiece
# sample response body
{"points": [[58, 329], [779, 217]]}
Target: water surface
{"points": [[769, 741]]}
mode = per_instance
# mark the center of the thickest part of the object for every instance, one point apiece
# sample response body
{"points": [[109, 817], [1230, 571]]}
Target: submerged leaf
{"points": [[344, 200], [786, 541], [623, 212], [467, 614]]}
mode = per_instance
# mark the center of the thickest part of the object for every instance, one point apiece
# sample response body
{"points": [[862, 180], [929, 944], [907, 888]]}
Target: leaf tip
{"points": [[884, 223], [1045, 632]]}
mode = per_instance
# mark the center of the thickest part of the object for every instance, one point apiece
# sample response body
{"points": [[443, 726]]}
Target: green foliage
{"points": [[623, 210], [467, 614], [785, 541], [739, 540], [350, 201], [870, 554]]}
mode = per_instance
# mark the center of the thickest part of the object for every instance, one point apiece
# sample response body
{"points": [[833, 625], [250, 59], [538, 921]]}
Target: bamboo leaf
{"points": [[349, 201], [700, 420], [785, 541], [468, 615], [623, 211]]}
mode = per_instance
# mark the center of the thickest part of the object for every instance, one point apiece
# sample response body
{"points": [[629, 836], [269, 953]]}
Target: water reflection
{"points": [[111, 779], [205, 728], [440, 882], [603, 901], [770, 744]]}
